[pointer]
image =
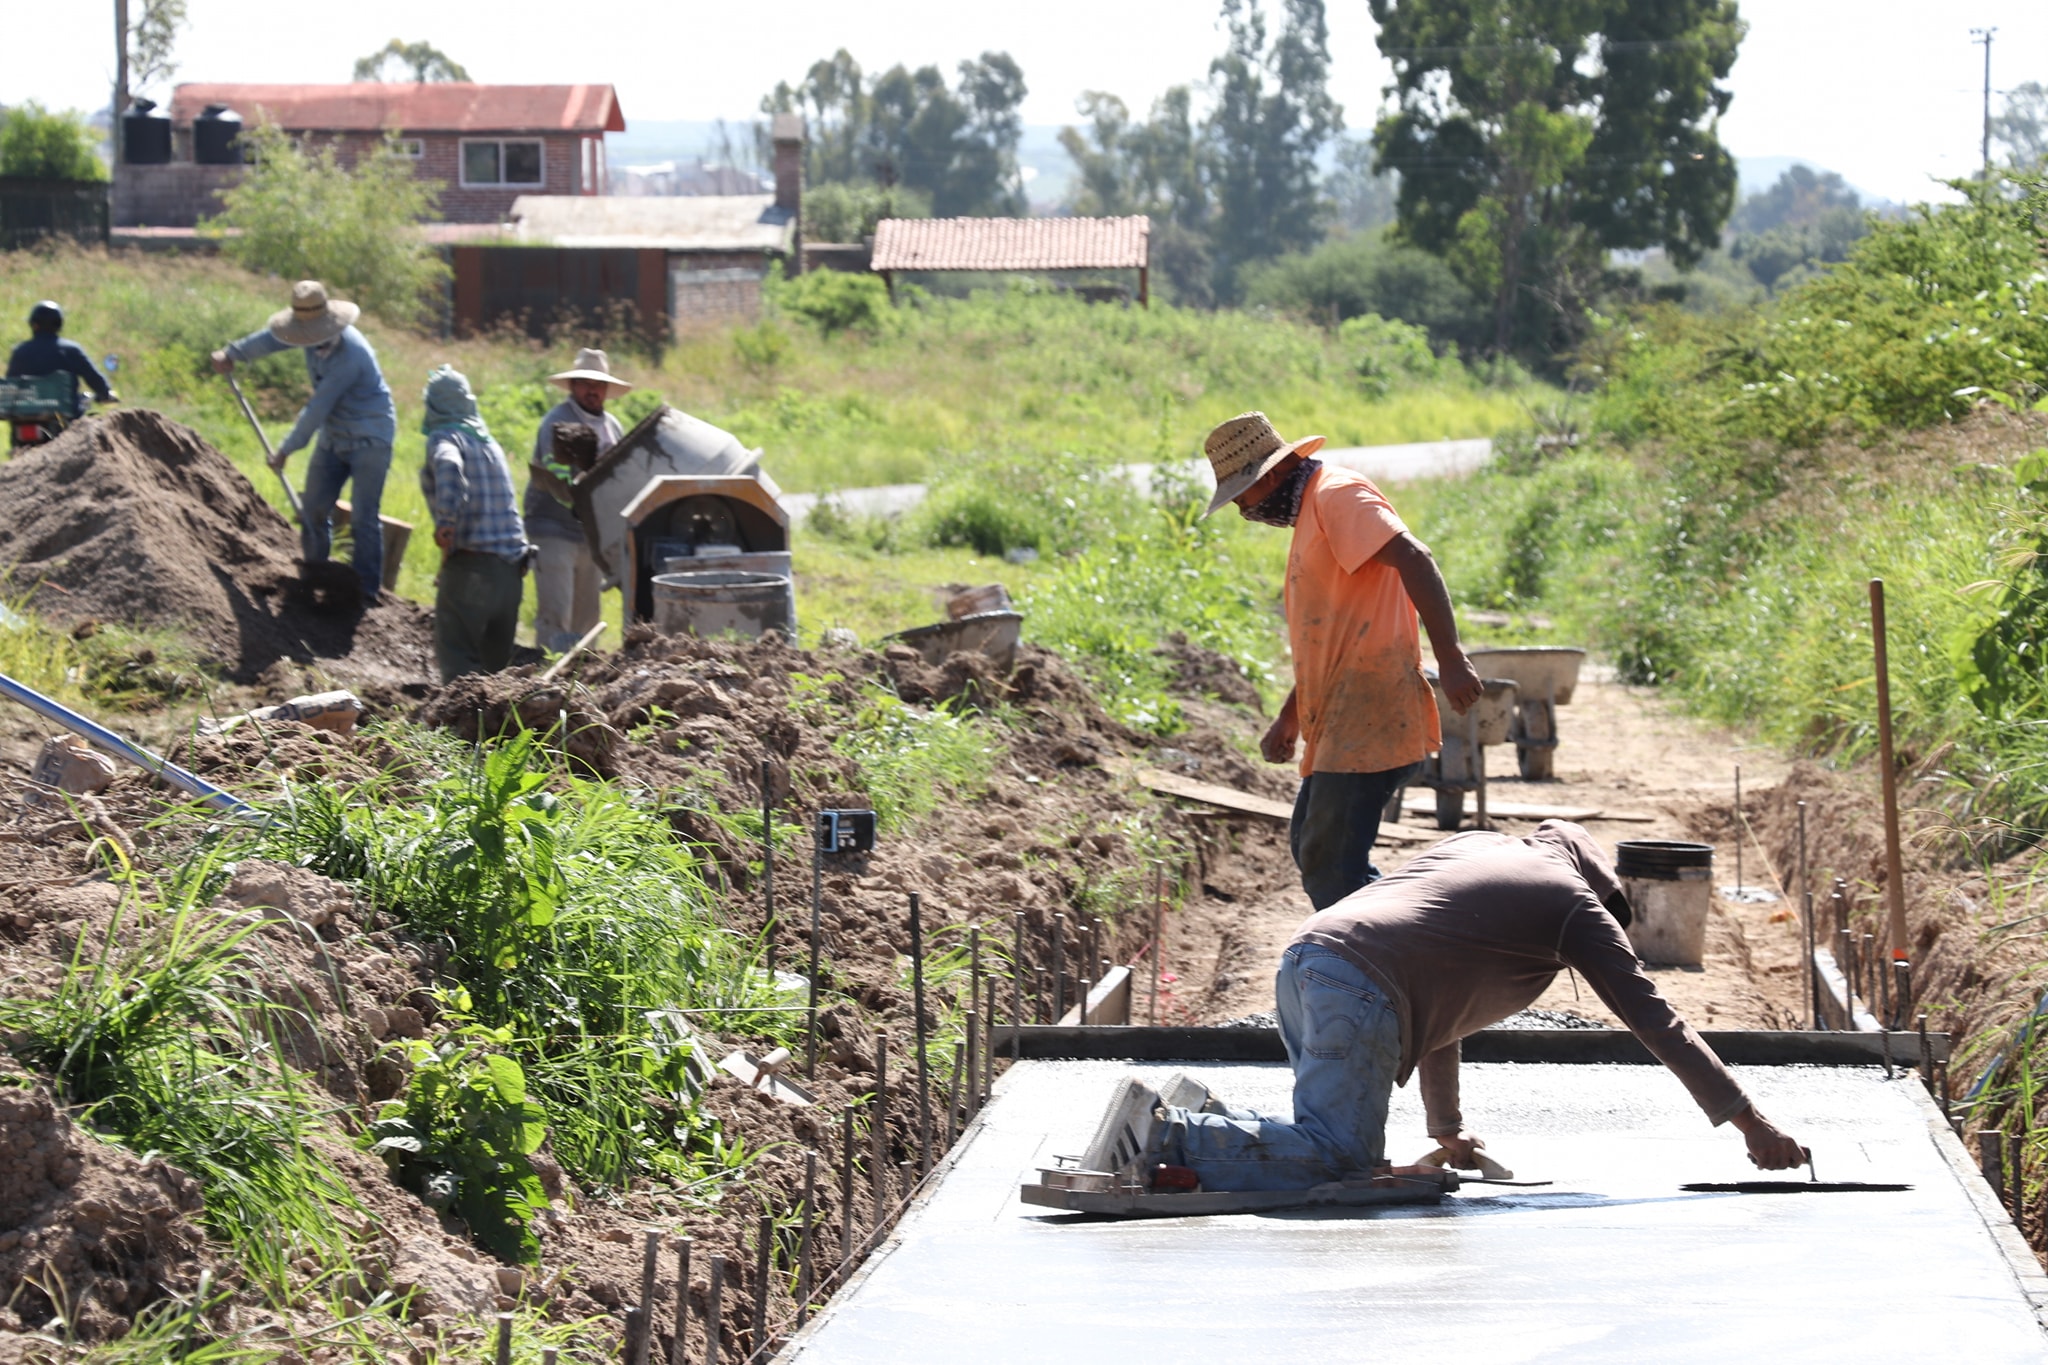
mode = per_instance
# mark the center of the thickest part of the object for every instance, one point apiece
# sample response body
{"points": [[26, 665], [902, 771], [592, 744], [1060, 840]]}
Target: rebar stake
{"points": [[1738, 831], [803, 1254], [768, 865], [681, 1354], [714, 1314], [1926, 1057], [924, 1082], [845, 1188], [1806, 925], [1017, 972], [1059, 968], [504, 1356], [961, 1052], [1158, 923], [643, 1345], [988, 1051], [880, 1131], [817, 916], [764, 1231]]}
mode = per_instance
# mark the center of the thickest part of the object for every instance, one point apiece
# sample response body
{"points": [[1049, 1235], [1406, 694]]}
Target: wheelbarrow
{"points": [[1460, 765], [1544, 676]]}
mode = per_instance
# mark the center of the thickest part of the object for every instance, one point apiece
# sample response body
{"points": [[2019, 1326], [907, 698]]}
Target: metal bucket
{"points": [[1670, 886], [994, 633], [717, 601], [775, 562]]}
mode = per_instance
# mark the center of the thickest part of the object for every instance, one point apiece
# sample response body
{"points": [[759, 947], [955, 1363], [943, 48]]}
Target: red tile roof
{"points": [[432, 106], [1011, 243]]}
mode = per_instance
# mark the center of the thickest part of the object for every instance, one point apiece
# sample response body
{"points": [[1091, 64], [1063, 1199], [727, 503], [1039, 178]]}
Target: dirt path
{"points": [[1625, 750]]}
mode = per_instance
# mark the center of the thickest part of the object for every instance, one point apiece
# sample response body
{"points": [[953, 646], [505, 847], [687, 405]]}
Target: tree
{"points": [[955, 146], [1272, 116], [1159, 168], [425, 61], [303, 215], [1361, 195], [1533, 136], [1799, 197], [40, 145], [150, 40], [2021, 127]]}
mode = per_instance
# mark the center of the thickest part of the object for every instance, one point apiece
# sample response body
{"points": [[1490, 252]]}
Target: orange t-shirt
{"points": [[1360, 693]]}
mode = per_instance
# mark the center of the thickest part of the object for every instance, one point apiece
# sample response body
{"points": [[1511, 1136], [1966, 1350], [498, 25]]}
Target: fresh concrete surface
{"points": [[1611, 1264]]}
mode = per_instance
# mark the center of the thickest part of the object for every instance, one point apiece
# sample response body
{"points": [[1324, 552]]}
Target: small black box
{"points": [[846, 831]]}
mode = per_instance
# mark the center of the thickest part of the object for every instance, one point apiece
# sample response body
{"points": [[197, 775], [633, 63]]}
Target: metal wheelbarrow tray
{"points": [[1544, 678], [1071, 1191]]}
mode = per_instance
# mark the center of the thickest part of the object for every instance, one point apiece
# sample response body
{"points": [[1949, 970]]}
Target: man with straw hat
{"points": [[476, 524], [1361, 705], [565, 579], [350, 410]]}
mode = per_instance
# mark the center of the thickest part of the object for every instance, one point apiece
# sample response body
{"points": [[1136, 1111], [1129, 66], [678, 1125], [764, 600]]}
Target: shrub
{"points": [[1371, 273], [40, 145], [303, 215], [1388, 352], [840, 212], [911, 758], [835, 301]]}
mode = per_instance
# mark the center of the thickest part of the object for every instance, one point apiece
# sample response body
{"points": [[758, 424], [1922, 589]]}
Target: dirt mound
{"points": [[92, 1233], [132, 518]]}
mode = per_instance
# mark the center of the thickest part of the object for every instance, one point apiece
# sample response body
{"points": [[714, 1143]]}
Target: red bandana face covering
{"points": [[1281, 506]]}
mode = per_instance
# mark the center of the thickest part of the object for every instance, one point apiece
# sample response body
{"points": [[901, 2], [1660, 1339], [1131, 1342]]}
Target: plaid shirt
{"points": [[469, 487]]}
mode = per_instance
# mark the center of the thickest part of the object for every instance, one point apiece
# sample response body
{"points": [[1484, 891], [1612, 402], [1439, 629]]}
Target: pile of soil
{"points": [[134, 519]]}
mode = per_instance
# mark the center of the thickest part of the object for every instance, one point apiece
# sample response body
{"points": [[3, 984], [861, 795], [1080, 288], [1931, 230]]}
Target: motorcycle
{"points": [[37, 409]]}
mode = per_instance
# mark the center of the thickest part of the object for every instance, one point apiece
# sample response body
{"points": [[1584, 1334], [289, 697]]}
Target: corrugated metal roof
{"points": [[413, 107], [1011, 243], [710, 222]]}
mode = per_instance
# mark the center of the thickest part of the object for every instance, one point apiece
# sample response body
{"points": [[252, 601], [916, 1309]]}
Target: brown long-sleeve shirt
{"points": [[1478, 927]]}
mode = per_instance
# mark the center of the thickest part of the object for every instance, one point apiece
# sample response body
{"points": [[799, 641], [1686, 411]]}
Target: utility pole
{"points": [[1983, 35], [120, 76]]}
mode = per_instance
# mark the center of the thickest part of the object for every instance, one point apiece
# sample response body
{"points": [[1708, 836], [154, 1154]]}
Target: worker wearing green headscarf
{"points": [[484, 553]]}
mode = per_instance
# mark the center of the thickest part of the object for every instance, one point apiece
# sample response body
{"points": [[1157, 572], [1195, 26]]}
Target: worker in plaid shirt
{"points": [[484, 553]]}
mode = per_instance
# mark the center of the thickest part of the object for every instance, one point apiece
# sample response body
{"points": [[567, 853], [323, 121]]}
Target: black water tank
{"points": [[145, 135], [215, 136]]}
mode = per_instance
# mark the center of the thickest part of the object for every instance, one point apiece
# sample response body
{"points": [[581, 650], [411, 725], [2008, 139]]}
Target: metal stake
{"points": [[973, 966], [845, 1188], [1894, 865], [803, 1254], [1059, 968], [962, 1052], [768, 864], [879, 1131], [1867, 961], [714, 1315], [504, 1339], [681, 1355], [970, 1057], [1158, 923], [764, 1229], [988, 1051], [1884, 990], [650, 1250], [1017, 972], [1738, 831], [1926, 1058], [1848, 965], [549, 1354], [924, 1081], [817, 914], [1806, 917]]}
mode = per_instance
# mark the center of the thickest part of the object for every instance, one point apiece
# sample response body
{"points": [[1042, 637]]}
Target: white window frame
{"points": [[462, 164], [411, 148]]}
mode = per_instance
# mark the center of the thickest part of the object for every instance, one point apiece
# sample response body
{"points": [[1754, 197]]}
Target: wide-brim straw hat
{"points": [[1242, 451], [313, 319], [591, 364]]}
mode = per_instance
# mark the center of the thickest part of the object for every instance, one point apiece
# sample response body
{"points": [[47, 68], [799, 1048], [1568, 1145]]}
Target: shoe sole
{"points": [[1120, 1136]]}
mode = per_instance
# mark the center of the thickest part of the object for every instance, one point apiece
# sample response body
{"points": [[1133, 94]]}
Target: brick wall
{"points": [[177, 194], [713, 288]]}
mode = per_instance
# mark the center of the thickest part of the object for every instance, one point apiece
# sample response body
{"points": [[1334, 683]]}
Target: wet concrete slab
{"points": [[1612, 1263]]}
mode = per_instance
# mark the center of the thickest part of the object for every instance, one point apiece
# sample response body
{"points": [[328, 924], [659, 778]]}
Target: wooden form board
{"points": [[1425, 804], [1246, 803]]}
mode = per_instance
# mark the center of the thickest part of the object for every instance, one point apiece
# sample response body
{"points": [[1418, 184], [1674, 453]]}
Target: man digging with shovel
{"points": [[350, 410], [1384, 985]]}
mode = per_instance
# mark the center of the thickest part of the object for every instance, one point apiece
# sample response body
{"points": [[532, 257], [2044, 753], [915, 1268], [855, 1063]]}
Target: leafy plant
{"points": [[836, 301], [911, 758], [461, 1135], [41, 145]]}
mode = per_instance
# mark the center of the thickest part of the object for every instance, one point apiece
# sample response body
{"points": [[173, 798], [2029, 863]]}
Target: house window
{"points": [[411, 148], [508, 161]]}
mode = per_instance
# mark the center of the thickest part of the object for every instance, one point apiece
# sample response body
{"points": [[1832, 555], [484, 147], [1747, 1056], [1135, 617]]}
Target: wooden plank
{"points": [[1260, 807], [1425, 804]]}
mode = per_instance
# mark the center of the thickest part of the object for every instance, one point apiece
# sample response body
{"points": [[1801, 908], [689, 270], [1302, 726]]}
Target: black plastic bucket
{"points": [[1664, 860]]}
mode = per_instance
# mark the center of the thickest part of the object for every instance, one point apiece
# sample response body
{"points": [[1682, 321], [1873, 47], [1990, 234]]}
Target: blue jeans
{"points": [[1336, 821], [1344, 1041], [334, 463]]}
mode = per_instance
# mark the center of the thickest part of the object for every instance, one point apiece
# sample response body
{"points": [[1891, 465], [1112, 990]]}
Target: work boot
{"points": [[1129, 1128], [1183, 1091]]}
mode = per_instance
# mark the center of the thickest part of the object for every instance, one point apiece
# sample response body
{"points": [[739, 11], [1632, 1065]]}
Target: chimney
{"points": [[788, 135]]}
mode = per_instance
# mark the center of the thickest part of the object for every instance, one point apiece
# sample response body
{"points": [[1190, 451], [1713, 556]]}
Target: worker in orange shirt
{"points": [[1361, 705]]}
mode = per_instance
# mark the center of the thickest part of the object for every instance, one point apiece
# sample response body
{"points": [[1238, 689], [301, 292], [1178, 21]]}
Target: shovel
{"points": [[333, 586]]}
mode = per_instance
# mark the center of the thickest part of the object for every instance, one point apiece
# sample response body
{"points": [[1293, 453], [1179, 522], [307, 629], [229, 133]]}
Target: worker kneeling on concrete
{"points": [[1385, 983], [484, 553]]}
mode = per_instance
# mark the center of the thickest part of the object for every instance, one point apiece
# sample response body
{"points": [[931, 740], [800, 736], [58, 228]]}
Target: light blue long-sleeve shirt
{"points": [[350, 401]]}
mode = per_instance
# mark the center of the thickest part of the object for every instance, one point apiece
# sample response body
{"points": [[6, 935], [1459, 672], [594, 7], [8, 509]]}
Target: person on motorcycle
{"points": [[48, 352]]}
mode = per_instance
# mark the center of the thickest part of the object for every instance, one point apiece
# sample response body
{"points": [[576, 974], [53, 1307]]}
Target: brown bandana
{"points": [[1281, 506]]}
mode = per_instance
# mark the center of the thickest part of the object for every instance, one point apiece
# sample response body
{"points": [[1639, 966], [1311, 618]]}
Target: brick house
{"points": [[487, 145]]}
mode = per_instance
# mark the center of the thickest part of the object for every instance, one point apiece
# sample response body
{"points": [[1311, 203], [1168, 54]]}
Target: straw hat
{"points": [[1243, 449], [313, 319], [591, 364]]}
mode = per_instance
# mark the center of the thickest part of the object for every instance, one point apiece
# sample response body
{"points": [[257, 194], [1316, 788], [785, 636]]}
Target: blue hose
{"points": [[121, 748]]}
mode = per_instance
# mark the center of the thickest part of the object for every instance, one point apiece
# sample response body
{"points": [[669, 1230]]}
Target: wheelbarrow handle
{"points": [[269, 455]]}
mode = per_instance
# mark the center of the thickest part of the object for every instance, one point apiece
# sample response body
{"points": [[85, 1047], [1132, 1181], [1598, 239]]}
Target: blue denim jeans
{"points": [[1344, 1041], [1336, 821], [334, 463]]}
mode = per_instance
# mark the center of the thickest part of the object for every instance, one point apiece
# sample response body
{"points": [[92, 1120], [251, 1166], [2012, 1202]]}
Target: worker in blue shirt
{"points": [[351, 410], [48, 352]]}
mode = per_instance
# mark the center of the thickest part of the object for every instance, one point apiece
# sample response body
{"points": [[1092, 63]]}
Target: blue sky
{"points": [[1884, 91]]}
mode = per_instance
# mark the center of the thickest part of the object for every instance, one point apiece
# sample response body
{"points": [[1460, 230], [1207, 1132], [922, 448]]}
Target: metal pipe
{"points": [[681, 1354], [714, 1316], [1894, 865], [923, 1028], [817, 915], [768, 864], [121, 748], [764, 1230], [803, 1252]]}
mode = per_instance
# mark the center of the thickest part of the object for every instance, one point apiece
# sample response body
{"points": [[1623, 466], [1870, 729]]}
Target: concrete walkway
{"points": [[1614, 1263], [1383, 464]]}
